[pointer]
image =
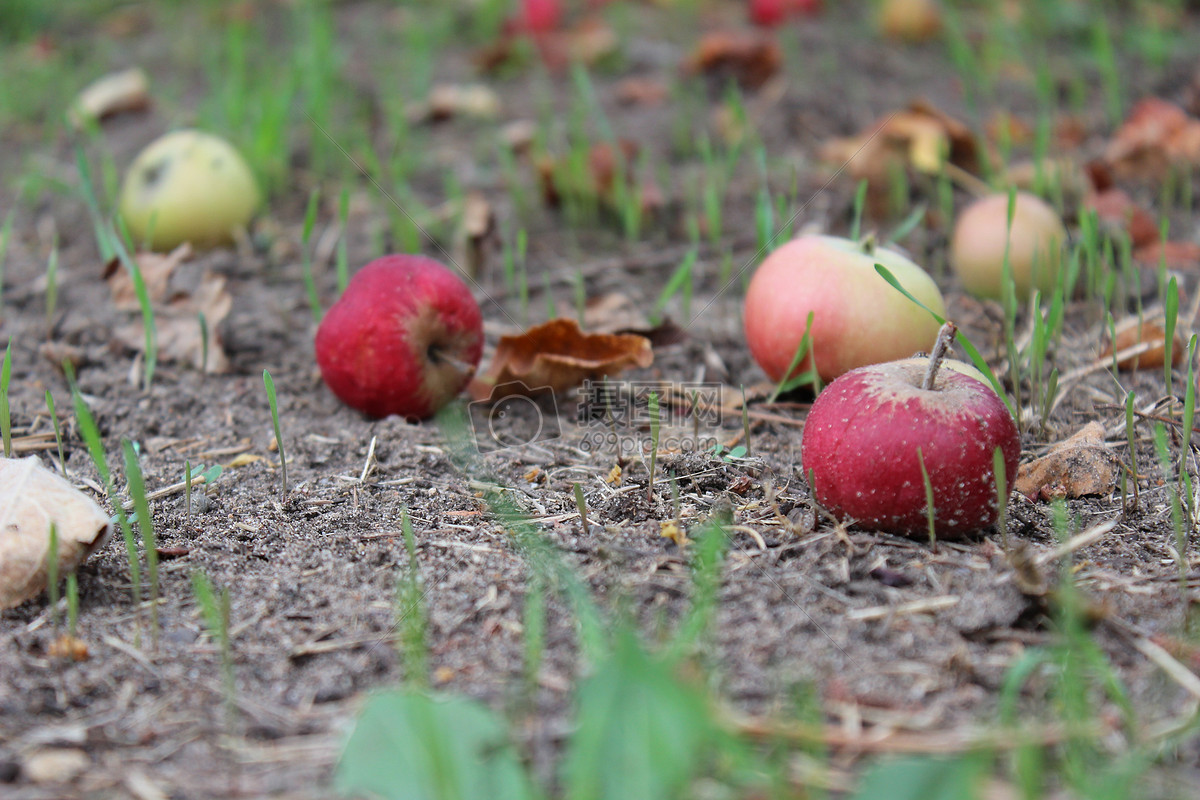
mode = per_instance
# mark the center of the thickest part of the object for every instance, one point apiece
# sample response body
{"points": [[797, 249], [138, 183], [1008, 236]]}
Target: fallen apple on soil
{"points": [[858, 318], [404, 338], [1034, 245], [861, 442], [188, 186]]}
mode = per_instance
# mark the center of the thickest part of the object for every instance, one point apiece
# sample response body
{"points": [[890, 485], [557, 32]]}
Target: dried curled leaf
{"points": [[156, 272], [1116, 209], [1174, 255], [1157, 136], [176, 311], [453, 100], [751, 59], [559, 356], [31, 497], [127, 90], [920, 137], [1132, 332], [1080, 465]]}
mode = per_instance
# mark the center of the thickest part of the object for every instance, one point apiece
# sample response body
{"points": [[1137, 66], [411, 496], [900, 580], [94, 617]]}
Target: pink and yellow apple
{"points": [[858, 318], [1034, 245]]}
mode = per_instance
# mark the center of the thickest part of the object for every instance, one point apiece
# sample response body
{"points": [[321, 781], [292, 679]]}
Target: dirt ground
{"points": [[312, 574]]}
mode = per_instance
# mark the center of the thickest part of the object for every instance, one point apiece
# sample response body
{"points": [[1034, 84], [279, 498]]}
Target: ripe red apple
{"points": [[768, 13], [1034, 245], [862, 435], [404, 338], [541, 16], [858, 318]]}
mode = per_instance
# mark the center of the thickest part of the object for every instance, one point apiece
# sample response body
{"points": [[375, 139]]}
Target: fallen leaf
{"points": [[558, 356], [1116, 209], [670, 530], [605, 165], [68, 647], [1157, 136], [1131, 332], [920, 137], [1175, 255], [447, 101], [1080, 465], [31, 498], [475, 231], [243, 459], [587, 42], [751, 59], [177, 326], [55, 765], [1006, 127], [127, 90], [1063, 173], [614, 475], [638, 91], [156, 270]]}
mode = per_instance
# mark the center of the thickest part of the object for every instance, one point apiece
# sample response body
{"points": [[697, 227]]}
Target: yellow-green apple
{"points": [[1034, 245], [188, 186], [404, 338], [858, 318], [869, 432]]}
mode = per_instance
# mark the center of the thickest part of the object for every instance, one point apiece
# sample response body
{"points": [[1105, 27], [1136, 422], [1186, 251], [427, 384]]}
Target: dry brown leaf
{"points": [[1116, 209], [452, 100], [1065, 173], [1131, 332], [1080, 465], [1157, 136], [31, 497], [921, 137], [1176, 255], [475, 231], [559, 356], [156, 272], [749, 58], [638, 91], [177, 326], [127, 90], [605, 164]]}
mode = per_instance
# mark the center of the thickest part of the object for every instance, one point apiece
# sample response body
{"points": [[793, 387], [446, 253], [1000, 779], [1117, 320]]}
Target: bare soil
{"points": [[312, 573]]}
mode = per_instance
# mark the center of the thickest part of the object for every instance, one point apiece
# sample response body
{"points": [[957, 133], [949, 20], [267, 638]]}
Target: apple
{"points": [[1034, 245], [910, 20], [404, 338], [858, 318], [768, 13], [188, 186], [861, 440], [541, 16]]}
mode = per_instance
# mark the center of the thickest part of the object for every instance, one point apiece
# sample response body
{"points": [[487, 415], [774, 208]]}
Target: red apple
{"points": [[1034, 245], [858, 318], [404, 338], [862, 435], [768, 13], [540, 16]]}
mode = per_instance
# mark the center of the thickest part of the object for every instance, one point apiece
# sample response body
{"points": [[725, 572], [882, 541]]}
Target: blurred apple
{"points": [[187, 186], [1034, 245], [910, 20], [858, 318]]}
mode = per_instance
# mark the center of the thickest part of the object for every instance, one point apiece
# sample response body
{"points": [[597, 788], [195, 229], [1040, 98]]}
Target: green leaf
{"points": [[420, 746], [642, 732], [923, 778]]}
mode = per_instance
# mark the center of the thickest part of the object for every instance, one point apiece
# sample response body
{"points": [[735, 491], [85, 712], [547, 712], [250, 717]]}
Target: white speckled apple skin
{"points": [[860, 449]]}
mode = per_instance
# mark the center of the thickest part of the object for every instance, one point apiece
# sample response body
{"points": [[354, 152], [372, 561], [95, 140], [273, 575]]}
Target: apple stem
{"points": [[867, 243], [944, 338]]}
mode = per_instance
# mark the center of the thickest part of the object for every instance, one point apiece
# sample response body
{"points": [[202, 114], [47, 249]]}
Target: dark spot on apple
{"points": [[152, 173]]}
